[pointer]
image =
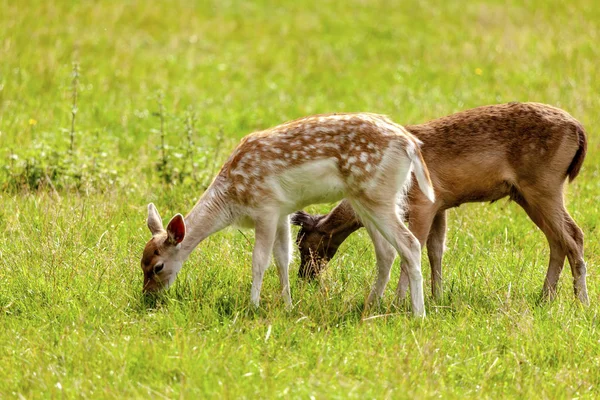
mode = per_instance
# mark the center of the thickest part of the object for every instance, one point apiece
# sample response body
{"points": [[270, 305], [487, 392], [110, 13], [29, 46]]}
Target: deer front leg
{"points": [[265, 230], [281, 253]]}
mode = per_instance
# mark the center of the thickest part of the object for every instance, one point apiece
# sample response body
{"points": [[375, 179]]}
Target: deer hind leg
{"points": [[557, 253], [281, 253], [403, 283], [386, 220], [428, 227], [565, 238], [385, 255], [436, 243], [576, 261], [265, 231]]}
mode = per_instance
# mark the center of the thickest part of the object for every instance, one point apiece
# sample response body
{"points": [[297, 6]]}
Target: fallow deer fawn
{"points": [[521, 150], [365, 158]]}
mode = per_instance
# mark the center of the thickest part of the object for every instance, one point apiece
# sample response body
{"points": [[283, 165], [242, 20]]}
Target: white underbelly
{"points": [[310, 183]]}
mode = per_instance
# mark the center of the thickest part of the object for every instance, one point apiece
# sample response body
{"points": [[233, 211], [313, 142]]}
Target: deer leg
{"points": [[402, 287], [422, 224], [436, 243], [389, 225], [576, 261], [385, 255], [555, 267], [410, 249], [265, 230], [557, 253], [565, 238], [281, 253]]}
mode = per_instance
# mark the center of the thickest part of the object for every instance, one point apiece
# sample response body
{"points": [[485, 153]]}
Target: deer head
{"points": [[162, 258], [316, 245], [313, 244]]}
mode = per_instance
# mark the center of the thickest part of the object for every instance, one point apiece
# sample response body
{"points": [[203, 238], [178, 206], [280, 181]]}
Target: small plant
{"points": [[190, 129], [35, 169], [74, 85], [179, 164], [163, 164], [47, 166]]}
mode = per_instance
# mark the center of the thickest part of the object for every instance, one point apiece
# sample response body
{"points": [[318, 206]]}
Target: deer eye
{"points": [[158, 268], [156, 253]]}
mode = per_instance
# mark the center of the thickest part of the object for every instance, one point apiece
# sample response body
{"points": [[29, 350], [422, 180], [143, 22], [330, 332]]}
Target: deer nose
{"points": [[149, 286]]}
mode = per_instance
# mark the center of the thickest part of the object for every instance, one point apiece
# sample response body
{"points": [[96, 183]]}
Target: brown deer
{"points": [[521, 150], [365, 158]]}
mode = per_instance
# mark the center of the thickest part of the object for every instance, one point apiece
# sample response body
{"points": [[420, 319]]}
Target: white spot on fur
{"points": [[363, 157], [356, 170], [322, 129]]}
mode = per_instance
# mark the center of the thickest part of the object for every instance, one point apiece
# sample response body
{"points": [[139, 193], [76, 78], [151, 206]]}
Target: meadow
{"points": [[107, 106]]}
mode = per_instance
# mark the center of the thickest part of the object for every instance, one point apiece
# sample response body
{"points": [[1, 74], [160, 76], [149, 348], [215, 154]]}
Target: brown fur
{"points": [[149, 258], [293, 143], [521, 150], [320, 237]]}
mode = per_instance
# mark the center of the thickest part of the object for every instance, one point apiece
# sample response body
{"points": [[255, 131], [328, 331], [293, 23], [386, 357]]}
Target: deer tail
{"points": [[577, 161], [420, 170]]}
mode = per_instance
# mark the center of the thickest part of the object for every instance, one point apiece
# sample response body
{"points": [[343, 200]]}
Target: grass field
{"points": [[73, 323]]}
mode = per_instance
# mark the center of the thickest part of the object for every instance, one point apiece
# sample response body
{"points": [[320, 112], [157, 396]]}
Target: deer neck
{"points": [[210, 215], [340, 223]]}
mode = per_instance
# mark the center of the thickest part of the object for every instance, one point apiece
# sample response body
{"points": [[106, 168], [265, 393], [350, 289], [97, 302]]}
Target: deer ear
{"points": [[303, 219], [176, 229], [154, 221]]}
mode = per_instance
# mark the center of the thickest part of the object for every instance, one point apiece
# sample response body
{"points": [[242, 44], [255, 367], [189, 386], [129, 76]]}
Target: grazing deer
{"points": [[365, 158], [521, 150]]}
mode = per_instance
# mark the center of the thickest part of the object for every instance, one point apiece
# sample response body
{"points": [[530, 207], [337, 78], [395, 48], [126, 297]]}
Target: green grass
{"points": [[72, 320]]}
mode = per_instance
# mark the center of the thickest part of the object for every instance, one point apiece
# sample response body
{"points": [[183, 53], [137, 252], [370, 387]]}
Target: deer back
{"points": [[485, 153]]}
